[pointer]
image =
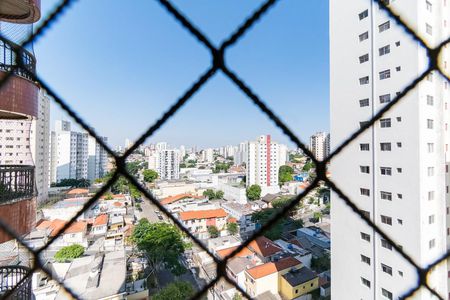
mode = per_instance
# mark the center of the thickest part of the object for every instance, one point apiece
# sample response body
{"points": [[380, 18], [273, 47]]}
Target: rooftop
{"points": [[225, 252], [264, 247], [54, 226], [272, 267], [202, 214], [101, 220], [299, 276], [179, 197], [77, 191], [71, 202]]}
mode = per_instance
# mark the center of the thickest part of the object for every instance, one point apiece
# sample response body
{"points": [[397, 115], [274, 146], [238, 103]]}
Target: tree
{"points": [[162, 244], [219, 195], [308, 166], [318, 216], [254, 192], [285, 174], [209, 193], [321, 263], [237, 296], [150, 175], [213, 231], [262, 217], [134, 167], [69, 253], [232, 228], [178, 290]]}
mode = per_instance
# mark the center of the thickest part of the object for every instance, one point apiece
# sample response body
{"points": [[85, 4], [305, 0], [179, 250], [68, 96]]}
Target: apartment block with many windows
{"points": [[395, 172]]}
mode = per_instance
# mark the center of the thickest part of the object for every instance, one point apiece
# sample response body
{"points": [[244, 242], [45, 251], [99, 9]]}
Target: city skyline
{"points": [[266, 59]]}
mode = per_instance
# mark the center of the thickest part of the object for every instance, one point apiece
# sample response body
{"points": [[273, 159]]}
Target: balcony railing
{"points": [[16, 182], [8, 53], [10, 277]]}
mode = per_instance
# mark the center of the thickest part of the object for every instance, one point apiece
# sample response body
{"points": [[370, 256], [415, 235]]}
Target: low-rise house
{"points": [[243, 214], [258, 205], [75, 234], [266, 277], [315, 236], [265, 249], [100, 225], [115, 223], [168, 188], [223, 242], [198, 221], [179, 197], [296, 251], [67, 208], [298, 282]]}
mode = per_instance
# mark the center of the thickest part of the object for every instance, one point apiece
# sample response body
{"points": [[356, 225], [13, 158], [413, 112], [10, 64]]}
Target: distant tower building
{"points": [[161, 146], [263, 164], [182, 152], [209, 155], [168, 164], [319, 145], [241, 155], [127, 144], [97, 159]]}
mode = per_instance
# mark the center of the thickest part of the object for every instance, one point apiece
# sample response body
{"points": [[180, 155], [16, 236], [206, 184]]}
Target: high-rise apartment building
{"points": [[75, 155], [263, 163], [397, 171], [319, 145], [169, 164]]}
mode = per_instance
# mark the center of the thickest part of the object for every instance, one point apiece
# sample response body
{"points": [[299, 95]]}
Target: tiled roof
{"points": [[272, 267], [77, 191], [264, 247], [225, 252], [202, 214], [117, 204], [101, 220], [172, 199], [56, 225], [232, 220]]}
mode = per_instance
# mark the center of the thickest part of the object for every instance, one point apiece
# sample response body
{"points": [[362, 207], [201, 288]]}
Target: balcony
{"points": [[16, 182], [10, 276], [19, 94]]}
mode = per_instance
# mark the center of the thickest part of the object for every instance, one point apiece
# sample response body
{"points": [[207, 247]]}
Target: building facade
{"points": [[168, 164], [397, 171], [263, 163], [319, 145], [97, 159]]}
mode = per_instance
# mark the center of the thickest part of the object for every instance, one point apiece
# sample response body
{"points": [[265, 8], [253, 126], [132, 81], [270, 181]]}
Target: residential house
{"points": [[243, 214], [198, 221], [75, 234], [100, 225], [296, 251], [298, 282], [265, 249]]}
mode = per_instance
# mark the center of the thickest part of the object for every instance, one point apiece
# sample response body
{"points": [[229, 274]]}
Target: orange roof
{"points": [[272, 267], [117, 204], [78, 191], [176, 198], [56, 225], [202, 214], [225, 252], [232, 220], [263, 246], [101, 220]]}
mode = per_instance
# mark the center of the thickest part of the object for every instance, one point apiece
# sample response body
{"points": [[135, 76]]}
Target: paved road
{"points": [[149, 212]]}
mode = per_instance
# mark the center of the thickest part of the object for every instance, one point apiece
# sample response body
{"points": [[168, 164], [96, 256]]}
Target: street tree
{"points": [[213, 231], [162, 244], [254, 192], [285, 174], [232, 228], [178, 290], [150, 175]]}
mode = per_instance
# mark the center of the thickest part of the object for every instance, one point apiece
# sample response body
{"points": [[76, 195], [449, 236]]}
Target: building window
{"points": [[385, 146], [398, 69], [364, 147], [386, 171], [363, 36], [430, 123], [386, 220], [365, 259], [385, 74], [399, 144], [386, 294], [364, 102], [430, 100], [429, 29], [365, 236], [364, 192], [386, 195], [384, 50], [364, 80], [386, 244], [365, 282], [432, 244], [399, 170], [386, 269], [431, 195], [385, 123], [429, 6], [363, 58], [430, 171], [365, 213], [430, 147], [363, 123], [431, 219], [385, 26], [397, 43], [385, 98], [364, 169], [364, 14]]}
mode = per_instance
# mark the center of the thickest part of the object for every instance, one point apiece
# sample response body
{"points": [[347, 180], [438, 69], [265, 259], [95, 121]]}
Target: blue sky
{"points": [[120, 66]]}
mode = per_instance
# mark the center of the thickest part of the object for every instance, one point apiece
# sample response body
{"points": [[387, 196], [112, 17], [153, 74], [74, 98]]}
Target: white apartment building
{"points": [[97, 159], [263, 163], [319, 145], [168, 164], [396, 171], [25, 142], [241, 155]]}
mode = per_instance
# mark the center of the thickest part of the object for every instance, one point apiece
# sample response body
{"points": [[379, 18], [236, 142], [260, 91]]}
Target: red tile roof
{"points": [[77, 191], [101, 220], [202, 214], [117, 204], [172, 199], [225, 252], [272, 267], [232, 220], [56, 225], [264, 247]]}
